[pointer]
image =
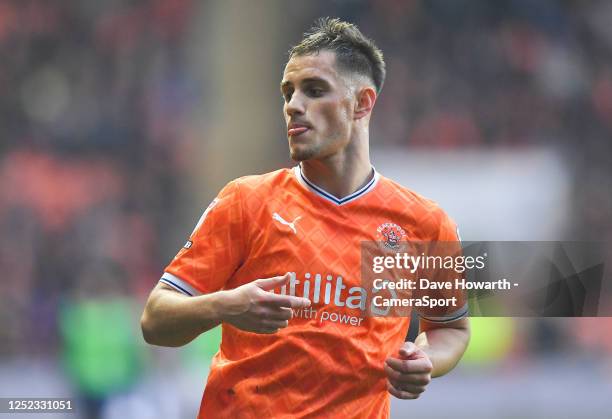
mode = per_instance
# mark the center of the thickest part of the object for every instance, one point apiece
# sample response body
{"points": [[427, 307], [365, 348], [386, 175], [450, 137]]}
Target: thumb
{"points": [[268, 284], [408, 350]]}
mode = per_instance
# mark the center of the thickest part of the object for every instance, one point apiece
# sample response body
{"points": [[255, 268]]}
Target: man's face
{"points": [[318, 106]]}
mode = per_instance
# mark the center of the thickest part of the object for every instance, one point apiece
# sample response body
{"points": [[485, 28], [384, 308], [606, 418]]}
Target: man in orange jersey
{"points": [[275, 259]]}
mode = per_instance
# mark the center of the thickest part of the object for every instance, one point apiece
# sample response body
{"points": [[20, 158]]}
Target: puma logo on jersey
{"points": [[281, 220]]}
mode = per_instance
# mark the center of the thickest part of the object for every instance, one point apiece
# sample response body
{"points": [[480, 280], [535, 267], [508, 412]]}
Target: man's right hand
{"points": [[252, 307]]}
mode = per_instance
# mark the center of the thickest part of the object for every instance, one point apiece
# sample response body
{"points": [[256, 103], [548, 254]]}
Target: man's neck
{"points": [[341, 174]]}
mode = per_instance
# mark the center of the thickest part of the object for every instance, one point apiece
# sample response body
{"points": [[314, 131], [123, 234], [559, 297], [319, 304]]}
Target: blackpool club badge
{"points": [[391, 235]]}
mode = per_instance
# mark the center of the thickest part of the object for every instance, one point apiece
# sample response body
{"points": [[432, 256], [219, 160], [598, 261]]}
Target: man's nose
{"points": [[295, 105]]}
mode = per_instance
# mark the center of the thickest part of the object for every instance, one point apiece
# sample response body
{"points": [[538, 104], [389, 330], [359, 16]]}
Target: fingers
{"points": [[269, 326], [263, 311], [416, 379], [268, 284], [281, 313], [286, 301], [274, 313], [408, 377], [266, 326], [410, 366], [402, 394], [264, 319]]}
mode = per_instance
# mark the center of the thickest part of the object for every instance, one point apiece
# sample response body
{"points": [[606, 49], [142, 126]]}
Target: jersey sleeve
{"points": [[214, 250], [447, 246]]}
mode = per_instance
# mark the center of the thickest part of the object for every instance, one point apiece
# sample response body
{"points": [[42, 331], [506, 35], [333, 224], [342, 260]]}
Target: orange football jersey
{"points": [[329, 361]]}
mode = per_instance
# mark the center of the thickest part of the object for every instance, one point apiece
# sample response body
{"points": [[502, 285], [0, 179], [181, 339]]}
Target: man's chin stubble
{"points": [[302, 155]]}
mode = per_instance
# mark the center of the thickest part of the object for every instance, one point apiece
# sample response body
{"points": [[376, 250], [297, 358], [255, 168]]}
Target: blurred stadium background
{"points": [[120, 120]]}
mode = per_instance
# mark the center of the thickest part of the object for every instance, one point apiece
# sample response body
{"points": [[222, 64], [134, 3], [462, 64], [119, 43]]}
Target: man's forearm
{"points": [[173, 319], [444, 345]]}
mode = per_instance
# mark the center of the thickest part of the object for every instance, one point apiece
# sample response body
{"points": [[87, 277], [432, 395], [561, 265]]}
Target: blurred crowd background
{"points": [[120, 120]]}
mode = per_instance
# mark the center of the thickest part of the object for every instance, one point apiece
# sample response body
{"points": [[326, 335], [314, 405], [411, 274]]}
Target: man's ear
{"points": [[366, 97]]}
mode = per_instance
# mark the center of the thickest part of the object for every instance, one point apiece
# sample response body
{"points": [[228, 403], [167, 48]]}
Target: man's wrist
{"points": [[215, 307]]}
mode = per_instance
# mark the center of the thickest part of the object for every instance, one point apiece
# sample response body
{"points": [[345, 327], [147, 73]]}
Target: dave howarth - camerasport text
{"points": [[426, 284]]}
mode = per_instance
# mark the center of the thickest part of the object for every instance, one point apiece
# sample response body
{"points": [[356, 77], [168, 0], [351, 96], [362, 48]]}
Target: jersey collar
{"points": [[297, 170]]}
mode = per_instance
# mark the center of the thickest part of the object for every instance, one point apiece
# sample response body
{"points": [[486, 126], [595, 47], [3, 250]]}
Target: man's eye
{"points": [[315, 92], [286, 97]]}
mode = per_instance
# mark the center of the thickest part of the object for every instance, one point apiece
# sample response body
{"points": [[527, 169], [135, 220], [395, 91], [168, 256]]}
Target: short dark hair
{"points": [[354, 52]]}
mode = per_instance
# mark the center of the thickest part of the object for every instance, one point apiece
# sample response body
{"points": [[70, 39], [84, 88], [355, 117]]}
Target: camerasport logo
{"points": [[391, 235]]}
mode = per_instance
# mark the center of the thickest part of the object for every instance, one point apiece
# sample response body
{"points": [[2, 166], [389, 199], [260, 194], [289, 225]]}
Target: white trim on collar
{"points": [[297, 170]]}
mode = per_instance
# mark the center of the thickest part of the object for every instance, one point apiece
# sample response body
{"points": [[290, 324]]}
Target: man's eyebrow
{"points": [[287, 83]]}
